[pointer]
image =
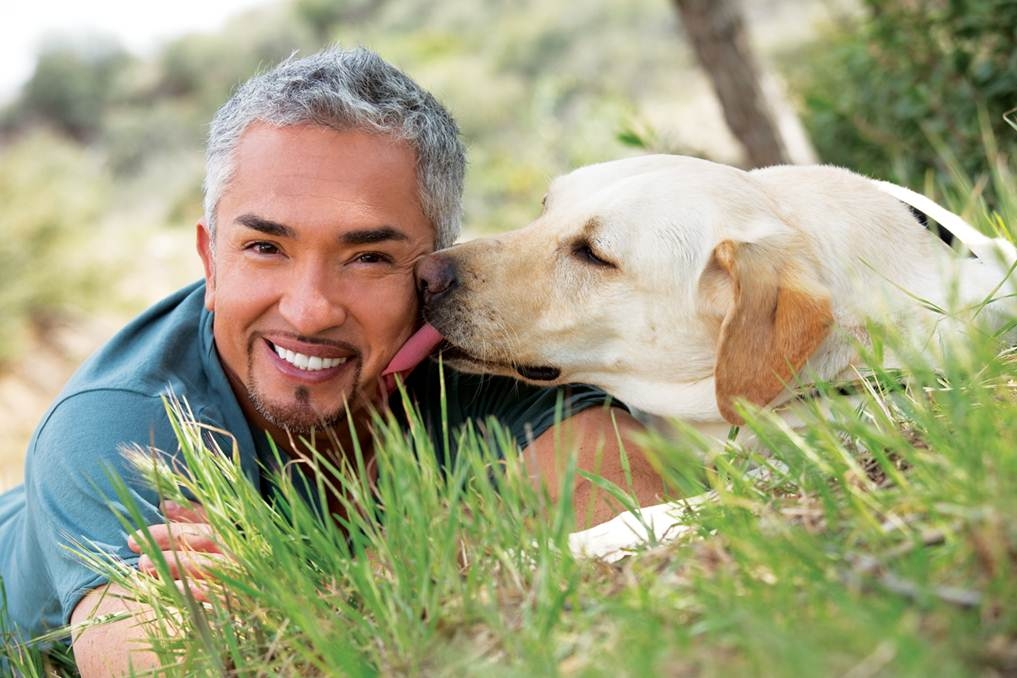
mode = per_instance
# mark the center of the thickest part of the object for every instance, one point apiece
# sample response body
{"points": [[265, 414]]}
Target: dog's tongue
{"points": [[417, 347]]}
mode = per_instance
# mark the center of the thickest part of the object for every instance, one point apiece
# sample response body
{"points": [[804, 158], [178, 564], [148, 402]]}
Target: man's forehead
{"points": [[261, 130], [311, 175]]}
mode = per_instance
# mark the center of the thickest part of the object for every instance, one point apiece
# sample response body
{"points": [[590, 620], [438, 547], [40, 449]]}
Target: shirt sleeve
{"points": [[71, 497]]}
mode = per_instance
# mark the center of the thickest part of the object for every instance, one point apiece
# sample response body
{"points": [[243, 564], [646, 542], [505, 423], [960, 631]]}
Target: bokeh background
{"points": [[102, 122]]}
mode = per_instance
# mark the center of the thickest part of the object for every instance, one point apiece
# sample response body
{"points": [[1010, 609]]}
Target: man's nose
{"points": [[436, 276], [309, 304]]}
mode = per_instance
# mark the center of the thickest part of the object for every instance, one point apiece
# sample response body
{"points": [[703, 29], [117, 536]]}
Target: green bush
{"points": [[205, 68], [912, 83], [72, 86], [54, 193]]}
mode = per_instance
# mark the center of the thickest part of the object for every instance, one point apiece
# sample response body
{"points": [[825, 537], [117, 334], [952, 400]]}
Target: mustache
{"points": [[319, 341]]}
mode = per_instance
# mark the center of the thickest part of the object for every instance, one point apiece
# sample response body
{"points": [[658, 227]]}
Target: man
{"points": [[327, 178]]}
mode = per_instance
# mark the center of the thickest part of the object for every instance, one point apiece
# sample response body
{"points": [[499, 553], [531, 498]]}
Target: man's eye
{"points": [[373, 258], [262, 248]]}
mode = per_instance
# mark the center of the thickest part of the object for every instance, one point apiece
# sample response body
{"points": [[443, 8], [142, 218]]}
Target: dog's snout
{"points": [[436, 275]]}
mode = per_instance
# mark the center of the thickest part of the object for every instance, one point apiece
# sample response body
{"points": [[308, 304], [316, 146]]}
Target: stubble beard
{"points": [[299, 416]]}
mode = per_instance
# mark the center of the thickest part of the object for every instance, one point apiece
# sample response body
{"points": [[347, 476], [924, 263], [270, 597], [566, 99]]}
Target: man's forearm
{"points": [[115, 648], [593, 435]]}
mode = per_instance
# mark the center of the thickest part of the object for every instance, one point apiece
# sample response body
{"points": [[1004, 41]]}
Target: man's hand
{"points": [[187, 544]]}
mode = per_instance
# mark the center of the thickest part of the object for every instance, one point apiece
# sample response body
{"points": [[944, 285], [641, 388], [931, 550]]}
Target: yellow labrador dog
{"points": [[681, 286]]}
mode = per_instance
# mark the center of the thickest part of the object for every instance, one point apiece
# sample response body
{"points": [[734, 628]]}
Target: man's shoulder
{"points": [[87, 431], [162, 347], [76, 413], [119, 394]]}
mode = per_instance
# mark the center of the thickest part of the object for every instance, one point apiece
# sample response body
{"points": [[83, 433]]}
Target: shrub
{"points": [[72, 85], [910, 79]]}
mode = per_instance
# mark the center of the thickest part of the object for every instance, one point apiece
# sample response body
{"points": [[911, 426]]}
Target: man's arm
{"points": [[114, 648], [599, 436], [73, 474]]}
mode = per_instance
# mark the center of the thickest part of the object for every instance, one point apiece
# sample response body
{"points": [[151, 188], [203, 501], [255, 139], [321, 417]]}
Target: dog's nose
{"points": [[436, 275]]}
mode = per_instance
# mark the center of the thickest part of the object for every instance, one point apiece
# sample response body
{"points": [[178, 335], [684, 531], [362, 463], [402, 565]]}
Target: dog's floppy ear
{"points": [[779, 315]]}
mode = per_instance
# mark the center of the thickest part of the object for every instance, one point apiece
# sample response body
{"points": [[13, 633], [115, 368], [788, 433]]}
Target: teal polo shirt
{"points": [[115, 400]]}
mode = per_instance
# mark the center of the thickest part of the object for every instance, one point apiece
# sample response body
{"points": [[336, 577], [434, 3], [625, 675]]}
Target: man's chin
{"points": [[300, 416], [302, 409], [301, 422]]}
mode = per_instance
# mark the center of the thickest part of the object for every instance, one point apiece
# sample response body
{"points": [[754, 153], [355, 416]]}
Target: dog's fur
{"points": [[681, 286]]}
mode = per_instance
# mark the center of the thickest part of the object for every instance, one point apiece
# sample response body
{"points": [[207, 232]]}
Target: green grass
{"points": [[881, 543]]}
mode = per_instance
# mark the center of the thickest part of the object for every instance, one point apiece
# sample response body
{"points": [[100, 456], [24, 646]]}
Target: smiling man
{"points": [[310, 273], [327, 178]]}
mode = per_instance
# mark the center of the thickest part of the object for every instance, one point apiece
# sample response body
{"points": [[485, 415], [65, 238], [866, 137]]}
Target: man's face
{"points": [[310, 275]]}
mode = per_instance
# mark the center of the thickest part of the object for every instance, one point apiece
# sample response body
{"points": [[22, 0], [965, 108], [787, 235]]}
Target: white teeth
{"points": [[311, 363]]}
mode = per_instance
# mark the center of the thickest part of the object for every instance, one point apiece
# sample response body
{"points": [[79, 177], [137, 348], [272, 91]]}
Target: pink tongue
{"points": [[416, 348]]}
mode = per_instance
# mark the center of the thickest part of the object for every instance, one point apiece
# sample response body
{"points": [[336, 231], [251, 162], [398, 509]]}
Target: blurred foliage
{"points": [[49, 219], [322, 16], [204, 68], [72, 86], [912, 87]]}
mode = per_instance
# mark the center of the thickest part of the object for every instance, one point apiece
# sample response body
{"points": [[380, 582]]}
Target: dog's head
{"points": [[671, 282]]}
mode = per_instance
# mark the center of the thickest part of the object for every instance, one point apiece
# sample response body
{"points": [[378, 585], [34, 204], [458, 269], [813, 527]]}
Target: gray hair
{"points": [[343, 90]]}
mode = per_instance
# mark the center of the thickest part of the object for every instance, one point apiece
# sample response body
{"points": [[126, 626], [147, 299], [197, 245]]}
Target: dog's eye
{"points": [[585, 253]]}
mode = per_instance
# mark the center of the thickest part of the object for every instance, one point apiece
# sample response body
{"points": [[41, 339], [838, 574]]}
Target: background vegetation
{"points": [[850, 566], [913, 89]]}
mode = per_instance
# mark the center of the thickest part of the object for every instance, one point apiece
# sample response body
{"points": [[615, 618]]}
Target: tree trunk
{"points": [[754, 109]]}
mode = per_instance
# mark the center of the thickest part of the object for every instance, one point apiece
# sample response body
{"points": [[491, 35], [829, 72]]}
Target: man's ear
{"points": [[779, 315], [206, 250]]}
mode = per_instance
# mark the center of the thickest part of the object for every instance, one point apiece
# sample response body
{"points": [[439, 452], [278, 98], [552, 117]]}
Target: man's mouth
{"points": [[311, 363], [306, 362]]}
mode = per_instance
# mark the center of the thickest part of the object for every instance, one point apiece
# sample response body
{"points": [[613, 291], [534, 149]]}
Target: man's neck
{"points": [[335, 443]]}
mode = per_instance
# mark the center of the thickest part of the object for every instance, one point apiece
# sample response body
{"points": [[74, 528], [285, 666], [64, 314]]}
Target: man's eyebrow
{"points": [[266, 226], [368, 236], [364, 236]]}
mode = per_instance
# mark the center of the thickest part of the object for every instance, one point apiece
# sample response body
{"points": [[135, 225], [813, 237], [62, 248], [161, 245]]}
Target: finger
{"points": [[199, 592], [182, 536], [184, 565], [175, 513]]}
